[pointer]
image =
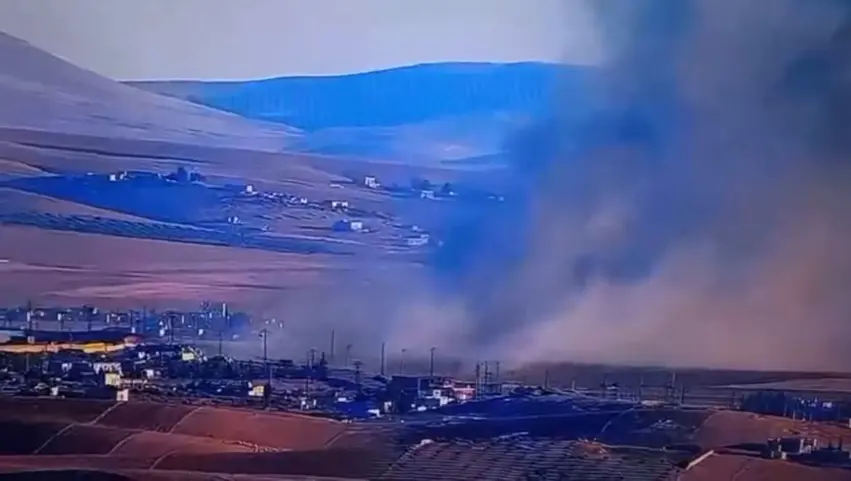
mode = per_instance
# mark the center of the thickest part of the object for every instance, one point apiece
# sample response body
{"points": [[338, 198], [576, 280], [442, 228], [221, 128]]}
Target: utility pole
{"points": [[264, 333], [477, 393], [431, 362], [383, 345], [402, 362], [358, 365], [496, 375], [348, 355], [221, 335], [308, 381], [333, 346]]}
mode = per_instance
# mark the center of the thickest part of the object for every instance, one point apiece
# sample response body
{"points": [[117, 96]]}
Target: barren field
{"points": [[145, 416], [22, 438], [332, 463], [745, 468], [14, 201], [729, 428], [52, 409], [18, 169], [121, 272], [826, 385], [282, 431], [83, 439], [156, 445]]}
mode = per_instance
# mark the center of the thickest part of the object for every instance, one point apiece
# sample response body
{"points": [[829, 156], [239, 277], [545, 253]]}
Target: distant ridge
{"points": [[384, 98], [41, 92]]}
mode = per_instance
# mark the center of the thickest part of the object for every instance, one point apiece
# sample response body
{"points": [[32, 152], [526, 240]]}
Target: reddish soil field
{"points": [[82, 439], [15, 201], [91, 268], [11, 463], [145, 416], [729, 428], [281, 431], [155, 445], [331, 463], [655, 428], [24, 437], [743, 468], [53, 409], [64, 474]]}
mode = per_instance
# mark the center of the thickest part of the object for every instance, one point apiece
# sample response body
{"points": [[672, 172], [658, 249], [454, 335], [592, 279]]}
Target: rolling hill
{"points": [[87, 171], [414, 114], [41, 92]]}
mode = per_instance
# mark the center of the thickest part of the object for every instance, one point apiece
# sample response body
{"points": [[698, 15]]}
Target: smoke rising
{"points": [[691, 210]]}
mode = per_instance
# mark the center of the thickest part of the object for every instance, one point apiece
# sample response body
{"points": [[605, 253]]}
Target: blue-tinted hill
{"points": [[386, 98]]}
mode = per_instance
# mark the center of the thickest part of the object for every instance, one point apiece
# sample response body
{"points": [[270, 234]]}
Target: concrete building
{"points": [[371, 182], [348, 226], [417, 241]]}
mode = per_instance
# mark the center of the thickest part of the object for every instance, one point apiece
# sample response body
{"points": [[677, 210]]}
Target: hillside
{"points": [[404, 95], [41, 92], [418, 114], [87, 174]]}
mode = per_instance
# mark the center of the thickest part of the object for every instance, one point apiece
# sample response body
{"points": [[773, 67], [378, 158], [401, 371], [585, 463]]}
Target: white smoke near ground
{"points": [[694, 212]]}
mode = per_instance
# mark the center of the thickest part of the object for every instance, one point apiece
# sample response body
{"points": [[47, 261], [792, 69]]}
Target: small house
{"points": [[249, 189], [116, 177], [426, 194], [348, 226], [416, 241], [339, 204], [371, 182]]}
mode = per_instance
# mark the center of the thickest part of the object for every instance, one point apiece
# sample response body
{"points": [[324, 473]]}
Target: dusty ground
{"points": [[70, 268], [745, 468], [15, 201], [728, 428]]}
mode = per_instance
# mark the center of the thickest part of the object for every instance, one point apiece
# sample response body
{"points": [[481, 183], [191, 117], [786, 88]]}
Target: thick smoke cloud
{"points": [[692, 209]]}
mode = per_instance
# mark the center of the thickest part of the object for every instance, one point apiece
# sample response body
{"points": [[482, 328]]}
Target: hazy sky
{"points": [[233, 39]]}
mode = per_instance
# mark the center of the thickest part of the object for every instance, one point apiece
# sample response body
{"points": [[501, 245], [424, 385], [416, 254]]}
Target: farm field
{"points": [[95, 268], [83, 439], [747, 468], [145, 416], [282, 431]]}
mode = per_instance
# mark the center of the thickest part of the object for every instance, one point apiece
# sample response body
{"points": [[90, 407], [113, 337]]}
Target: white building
{"points": [[419, 240], [349, 225], [115, 177], [426, 194], [339, 204], [371, 182]]}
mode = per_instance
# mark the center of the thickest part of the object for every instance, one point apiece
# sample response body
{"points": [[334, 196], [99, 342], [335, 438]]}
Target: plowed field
{"points": [[21, 437], [145, 416], [53, 409], [82, 439], [273, 430]]}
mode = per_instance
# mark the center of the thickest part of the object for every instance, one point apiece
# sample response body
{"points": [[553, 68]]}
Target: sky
{"points": [[232, 40]]}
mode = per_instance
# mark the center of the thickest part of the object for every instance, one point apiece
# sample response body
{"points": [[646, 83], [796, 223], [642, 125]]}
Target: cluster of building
{"points": [[807, 450]]}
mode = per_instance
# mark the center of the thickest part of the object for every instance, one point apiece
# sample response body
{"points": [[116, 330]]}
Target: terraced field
{"points": [[85, 439], [145, 416], [282, 431], [656, 428], [21, 437], [532, 459], [153, 445], [53, 409]]}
